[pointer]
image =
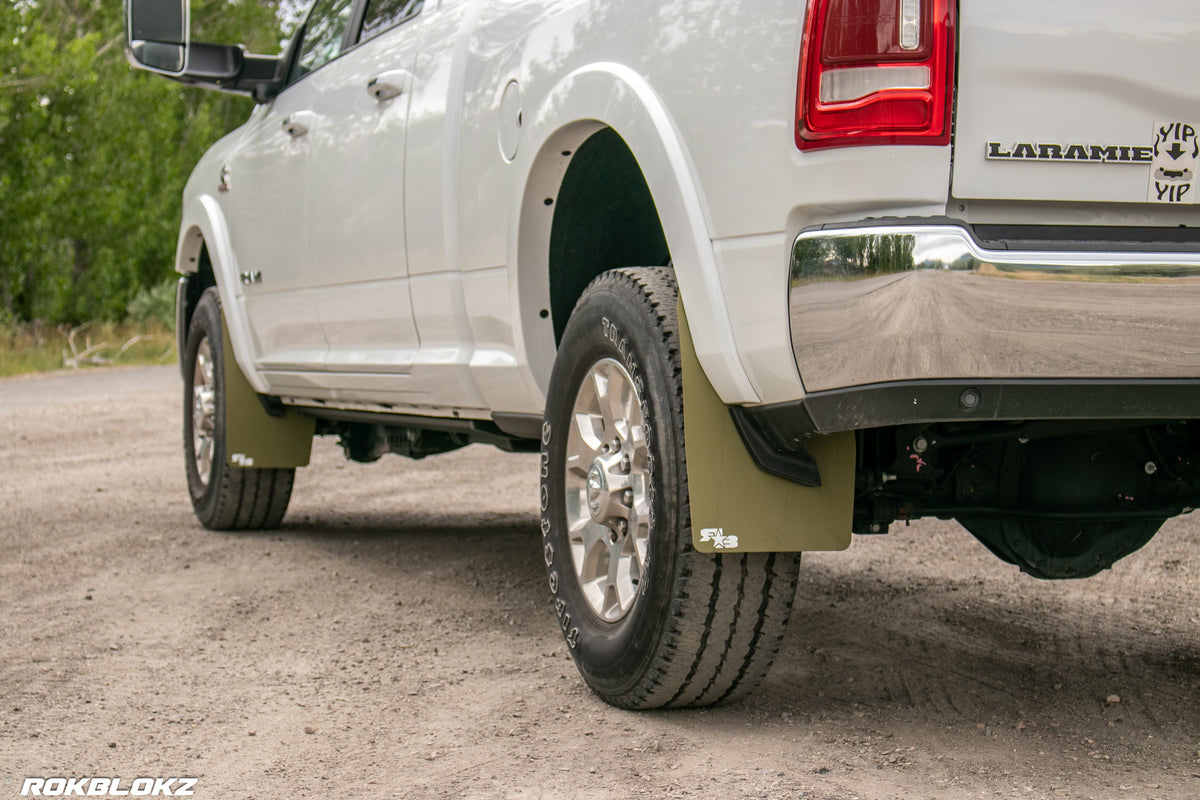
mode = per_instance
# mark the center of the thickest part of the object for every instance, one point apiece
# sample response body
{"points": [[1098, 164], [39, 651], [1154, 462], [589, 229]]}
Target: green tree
{"points": [[94, 154]]}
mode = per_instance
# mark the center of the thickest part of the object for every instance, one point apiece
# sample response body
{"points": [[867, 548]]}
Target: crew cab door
{"points": [[355, 201], [265, 186], [261, 187]]}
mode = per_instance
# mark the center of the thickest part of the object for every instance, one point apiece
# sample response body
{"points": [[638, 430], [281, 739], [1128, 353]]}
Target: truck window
{"points": [[383, 14], [323, 36]]}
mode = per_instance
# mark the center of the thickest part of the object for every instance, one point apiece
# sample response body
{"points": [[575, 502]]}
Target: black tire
{"points": [[230, 497], [697, 629]]}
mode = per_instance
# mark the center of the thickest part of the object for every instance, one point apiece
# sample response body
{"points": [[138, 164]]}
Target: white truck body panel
{"points": [[715, 148], [354, 219], [1036, 79], [432, 292]]}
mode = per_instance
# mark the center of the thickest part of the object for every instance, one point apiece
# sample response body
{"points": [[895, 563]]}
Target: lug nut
{"points": [[628, 497], [625, 464]]}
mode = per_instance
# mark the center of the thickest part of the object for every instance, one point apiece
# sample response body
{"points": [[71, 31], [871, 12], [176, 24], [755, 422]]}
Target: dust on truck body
{"points": [[749, 280]]}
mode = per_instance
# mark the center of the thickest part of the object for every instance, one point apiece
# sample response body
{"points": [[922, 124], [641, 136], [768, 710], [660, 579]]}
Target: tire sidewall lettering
{"points": [[629, 360], [605, 650]]}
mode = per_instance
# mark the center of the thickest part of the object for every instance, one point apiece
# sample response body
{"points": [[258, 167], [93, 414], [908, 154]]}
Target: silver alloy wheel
{"points": [[607, 489], [204, 411]]}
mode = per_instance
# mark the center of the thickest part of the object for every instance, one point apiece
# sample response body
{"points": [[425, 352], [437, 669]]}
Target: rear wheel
{"points": [[649, 621], [224, 497]]}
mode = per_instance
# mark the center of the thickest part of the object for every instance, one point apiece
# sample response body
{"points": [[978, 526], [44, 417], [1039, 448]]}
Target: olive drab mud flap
{"points": [[254, 438], [737, 506]]}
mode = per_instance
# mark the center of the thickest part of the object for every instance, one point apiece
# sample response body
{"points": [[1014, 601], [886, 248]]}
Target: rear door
{"points": [[1094, 101], [355, 205]]}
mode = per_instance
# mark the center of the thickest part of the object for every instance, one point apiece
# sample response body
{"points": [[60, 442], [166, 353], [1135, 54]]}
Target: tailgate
{"points": [[1095, 101]]}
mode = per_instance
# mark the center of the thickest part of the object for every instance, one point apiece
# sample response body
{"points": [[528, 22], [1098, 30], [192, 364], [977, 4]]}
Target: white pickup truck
{"points": [[750, 277]]}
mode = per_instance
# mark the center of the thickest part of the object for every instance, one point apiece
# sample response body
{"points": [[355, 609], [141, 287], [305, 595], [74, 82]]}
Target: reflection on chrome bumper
{"points": [[880, 304]]}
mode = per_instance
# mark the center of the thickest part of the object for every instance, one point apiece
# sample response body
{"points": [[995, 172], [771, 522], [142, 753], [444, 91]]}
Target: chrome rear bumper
{"points": [[899, 303]]}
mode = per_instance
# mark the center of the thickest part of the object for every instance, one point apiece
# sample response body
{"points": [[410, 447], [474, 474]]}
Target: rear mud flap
{"points": [[254, 438], [737, 506]]}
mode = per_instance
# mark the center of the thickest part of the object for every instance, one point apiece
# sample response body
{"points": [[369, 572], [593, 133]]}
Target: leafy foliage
{"points": [[94, 154], [153, 305]]}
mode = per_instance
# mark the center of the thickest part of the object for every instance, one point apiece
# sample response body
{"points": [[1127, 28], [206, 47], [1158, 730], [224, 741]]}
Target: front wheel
{"points": [[649, 621], [224, 497]]}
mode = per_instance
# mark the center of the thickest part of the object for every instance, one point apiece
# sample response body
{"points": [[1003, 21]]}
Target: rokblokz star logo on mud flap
{"points": [[719, 540]]}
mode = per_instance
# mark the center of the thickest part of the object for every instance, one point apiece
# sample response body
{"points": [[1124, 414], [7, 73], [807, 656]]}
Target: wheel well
{"points": [[197, 282], [604, 218]]}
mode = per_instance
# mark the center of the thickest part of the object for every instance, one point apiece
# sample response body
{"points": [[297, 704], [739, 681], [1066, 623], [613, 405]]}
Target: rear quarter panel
{"points": [[704, 94]]}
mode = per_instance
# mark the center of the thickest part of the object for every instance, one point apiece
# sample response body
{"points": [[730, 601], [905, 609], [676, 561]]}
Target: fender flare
{"points": [[615, 96], [204, 225]]}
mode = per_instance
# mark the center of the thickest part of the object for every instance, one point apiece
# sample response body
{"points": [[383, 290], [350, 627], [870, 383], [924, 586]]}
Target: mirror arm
{"points": [[263, 76], [229, 68], [215, 63]]}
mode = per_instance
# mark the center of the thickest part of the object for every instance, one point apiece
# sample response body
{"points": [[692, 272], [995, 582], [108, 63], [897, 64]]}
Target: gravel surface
{"points": [[394, 639]]}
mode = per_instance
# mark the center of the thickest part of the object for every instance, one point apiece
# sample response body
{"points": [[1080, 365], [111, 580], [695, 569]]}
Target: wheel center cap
{"points": [[597, 487]]}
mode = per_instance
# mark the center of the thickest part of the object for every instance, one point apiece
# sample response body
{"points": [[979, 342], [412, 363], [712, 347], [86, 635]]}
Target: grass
{"points": [[38, 348]]}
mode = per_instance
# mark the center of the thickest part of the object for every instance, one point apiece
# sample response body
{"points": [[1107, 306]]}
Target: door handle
{"points": [[296, 125], [389, 85]]}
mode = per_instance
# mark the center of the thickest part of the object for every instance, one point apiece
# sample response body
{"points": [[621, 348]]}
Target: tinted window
{"points": [[322, 37], [383, 14]]}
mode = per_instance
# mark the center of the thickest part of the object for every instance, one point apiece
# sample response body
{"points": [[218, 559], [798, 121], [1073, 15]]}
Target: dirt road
{"points": [[394, 640]]}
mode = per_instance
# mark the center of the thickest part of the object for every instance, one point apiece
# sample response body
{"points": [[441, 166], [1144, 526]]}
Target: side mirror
{"points": [[158, 39], [156, 34]]}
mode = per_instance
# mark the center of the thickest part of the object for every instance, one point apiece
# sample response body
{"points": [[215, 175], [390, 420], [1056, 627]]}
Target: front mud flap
{"points": [[254, 438], [737, 506]]}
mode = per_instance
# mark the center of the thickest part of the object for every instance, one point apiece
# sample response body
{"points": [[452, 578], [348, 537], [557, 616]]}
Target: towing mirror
{"points": [[158, 38], [156, 35]]}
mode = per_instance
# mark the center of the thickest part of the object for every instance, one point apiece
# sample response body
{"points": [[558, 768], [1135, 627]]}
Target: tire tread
{"points": [[729, 611], [236, 498]]}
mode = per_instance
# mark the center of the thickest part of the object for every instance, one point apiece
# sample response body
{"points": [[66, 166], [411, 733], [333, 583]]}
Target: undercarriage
{"points": [[1059, 499]]}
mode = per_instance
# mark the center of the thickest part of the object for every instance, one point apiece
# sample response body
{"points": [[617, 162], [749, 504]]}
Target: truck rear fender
{"points": [[582, 103]]}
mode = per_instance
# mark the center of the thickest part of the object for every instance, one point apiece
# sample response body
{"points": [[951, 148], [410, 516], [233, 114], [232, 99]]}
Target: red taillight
{"points": [[875, 72]]}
